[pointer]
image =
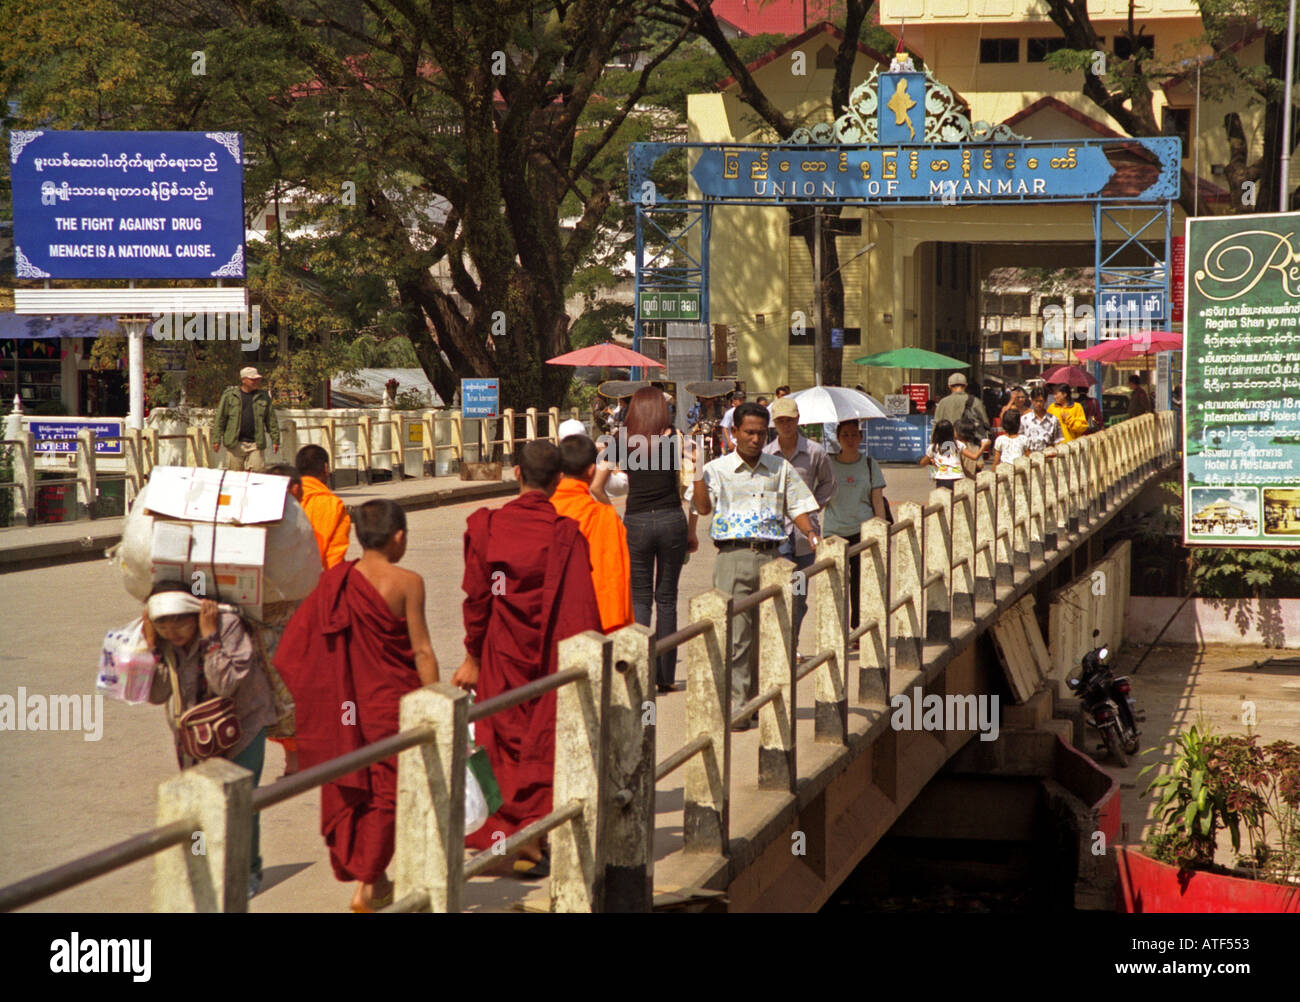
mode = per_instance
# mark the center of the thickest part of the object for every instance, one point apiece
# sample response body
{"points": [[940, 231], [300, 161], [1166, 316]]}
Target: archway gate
{"points": [[907, 139]]}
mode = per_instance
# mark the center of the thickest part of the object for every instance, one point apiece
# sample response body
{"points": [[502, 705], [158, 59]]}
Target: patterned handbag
{"points": [[210, 728]]}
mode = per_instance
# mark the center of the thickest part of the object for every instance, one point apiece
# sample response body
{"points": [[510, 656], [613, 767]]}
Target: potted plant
{"points": [[1215, 783]]}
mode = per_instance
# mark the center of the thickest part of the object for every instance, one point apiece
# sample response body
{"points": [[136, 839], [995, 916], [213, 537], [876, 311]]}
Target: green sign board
{"points": [[1241, 381], [660, 305]]}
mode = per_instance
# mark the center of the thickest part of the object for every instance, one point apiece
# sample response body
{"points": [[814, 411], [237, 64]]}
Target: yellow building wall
{"points": [[753, 259]]}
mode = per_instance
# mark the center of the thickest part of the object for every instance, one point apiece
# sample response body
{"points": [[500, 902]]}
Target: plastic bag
{"points": [[126, 665], [482, 794]]}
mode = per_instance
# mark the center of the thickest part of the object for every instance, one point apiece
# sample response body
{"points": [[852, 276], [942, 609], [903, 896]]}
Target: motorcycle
{"points": [[1108, 704]]}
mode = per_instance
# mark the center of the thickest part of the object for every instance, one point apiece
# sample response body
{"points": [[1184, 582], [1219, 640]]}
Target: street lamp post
{"points": [[1285, 178]]}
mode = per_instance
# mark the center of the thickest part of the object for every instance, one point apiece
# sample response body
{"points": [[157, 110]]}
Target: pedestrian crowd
{"points": [[555, 561]]}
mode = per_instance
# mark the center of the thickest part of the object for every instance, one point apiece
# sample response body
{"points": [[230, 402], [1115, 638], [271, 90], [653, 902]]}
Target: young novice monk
{"points": [[354, 648]]}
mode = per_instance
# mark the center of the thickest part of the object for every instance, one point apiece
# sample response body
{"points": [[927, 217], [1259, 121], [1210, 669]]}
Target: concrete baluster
{"points": [[1021, 515], [530, 424], [905, 563], [508, 435], [577, 856], [986, 524], [365, 448], [1071, 486], [1052, 512], [627, 802], [873, 606], [776, 756], [963, 552], [1002, 479], [553, 425], [208, 872], [87, 490], [24, 465], [937, 543], [1093, 478], [830, 594], [132, 443], [1037, 506], [430, 834], [708, 774], [458, 437]]}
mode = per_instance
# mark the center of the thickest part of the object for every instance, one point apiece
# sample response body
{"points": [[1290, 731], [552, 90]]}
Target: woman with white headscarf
{"points": [[205, 653]]}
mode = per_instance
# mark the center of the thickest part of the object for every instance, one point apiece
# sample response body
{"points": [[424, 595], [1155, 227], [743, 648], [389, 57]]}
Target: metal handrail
{"points": [[754, 598], [85, 868], [861, 546], [682, 755], [531, 690], [812, 664], [863, 630], [902, 526], [675, 640], [477, 864], [746, 710]]}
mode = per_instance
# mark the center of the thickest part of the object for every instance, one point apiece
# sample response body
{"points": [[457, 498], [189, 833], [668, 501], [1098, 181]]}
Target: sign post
{"points": [[1241, 382]]}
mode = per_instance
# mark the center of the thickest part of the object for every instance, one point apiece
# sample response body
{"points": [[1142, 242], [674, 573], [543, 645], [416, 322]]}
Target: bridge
{"points": [[641, 822]]}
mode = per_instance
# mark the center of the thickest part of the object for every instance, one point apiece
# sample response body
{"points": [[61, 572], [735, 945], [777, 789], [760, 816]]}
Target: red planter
{"points": [[1147, 885]]}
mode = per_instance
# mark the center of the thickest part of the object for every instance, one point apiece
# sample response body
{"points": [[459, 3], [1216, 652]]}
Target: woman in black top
{"points": [[650, 452]]}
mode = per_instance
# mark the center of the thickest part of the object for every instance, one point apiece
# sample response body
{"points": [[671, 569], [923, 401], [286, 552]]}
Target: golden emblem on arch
{"points": [[900, 104]]}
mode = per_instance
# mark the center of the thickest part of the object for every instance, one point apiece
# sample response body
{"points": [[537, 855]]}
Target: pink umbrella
{"points": [[606, 354], [1071, 375]]}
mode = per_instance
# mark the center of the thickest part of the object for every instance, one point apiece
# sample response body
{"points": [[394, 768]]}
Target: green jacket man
{"points": [[245, 417]]}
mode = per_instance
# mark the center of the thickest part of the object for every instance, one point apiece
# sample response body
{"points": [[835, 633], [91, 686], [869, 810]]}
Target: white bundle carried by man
{"points": [[232, 536]]}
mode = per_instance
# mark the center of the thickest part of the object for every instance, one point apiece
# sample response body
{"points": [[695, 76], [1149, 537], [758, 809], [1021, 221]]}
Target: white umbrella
{"points": [[833, 404]]}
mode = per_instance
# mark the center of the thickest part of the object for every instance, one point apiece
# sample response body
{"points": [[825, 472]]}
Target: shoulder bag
{"points": [[210, 727]]}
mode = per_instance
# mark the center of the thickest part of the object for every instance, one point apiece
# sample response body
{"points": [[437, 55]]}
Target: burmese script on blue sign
{"points": [[61, 436], [952, 173], [479, 398], [128, 204]]}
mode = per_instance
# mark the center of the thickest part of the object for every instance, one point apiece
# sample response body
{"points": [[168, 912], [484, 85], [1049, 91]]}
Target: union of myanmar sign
{"points": [[959, 172]]}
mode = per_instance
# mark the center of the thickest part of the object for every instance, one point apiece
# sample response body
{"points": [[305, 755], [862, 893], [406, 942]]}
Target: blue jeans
{"points": [[801, 595], [656, 543], [252, 759]]}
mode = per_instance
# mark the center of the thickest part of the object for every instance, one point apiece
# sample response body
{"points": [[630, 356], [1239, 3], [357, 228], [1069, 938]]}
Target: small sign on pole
{"points": [[479, 398]]}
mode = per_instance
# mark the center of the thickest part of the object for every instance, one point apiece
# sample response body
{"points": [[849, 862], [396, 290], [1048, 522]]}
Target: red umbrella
{"points": [[1071, 375], [1121, 349], [606, 354]]}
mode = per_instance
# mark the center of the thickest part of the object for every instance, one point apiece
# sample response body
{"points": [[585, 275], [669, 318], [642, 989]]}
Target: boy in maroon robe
{"points": [[354, 648], [527, 586]]}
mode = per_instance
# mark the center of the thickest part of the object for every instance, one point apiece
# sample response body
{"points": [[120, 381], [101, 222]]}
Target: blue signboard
{"points": [[1146, 304], [61, 436], [954, 173], [127, 204], [479, 398], [898, 439]]}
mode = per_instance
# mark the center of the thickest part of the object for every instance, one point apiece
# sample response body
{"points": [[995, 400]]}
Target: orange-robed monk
{"points": [[611, 567], [325, 509]]}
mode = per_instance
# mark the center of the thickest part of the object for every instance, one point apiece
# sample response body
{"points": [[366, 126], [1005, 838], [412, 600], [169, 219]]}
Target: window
{"points": [[1124, 48], [999, 50], [1038, 49], [1177, 122]]}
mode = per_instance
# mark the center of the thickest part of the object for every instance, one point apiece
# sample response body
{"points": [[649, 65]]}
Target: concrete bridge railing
{"points": [[923, 581], [367, 442]]}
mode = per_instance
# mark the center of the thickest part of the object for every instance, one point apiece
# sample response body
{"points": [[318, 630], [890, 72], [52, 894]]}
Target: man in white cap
{"points": [[959, 404], [814, 468], [245, 420]]}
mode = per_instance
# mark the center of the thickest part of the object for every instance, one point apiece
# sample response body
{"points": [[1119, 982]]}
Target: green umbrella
{"points": [[910, 358]]}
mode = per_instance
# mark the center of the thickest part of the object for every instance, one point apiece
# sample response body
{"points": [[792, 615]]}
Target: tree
{"points": [[1124, 87], [700, 15]]}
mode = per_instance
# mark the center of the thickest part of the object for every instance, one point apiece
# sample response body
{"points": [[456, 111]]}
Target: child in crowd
{"points": [[1010, 445], [944, 455]]}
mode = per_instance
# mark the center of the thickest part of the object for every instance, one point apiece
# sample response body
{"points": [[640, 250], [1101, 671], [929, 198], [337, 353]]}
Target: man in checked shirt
{"points": [[750, 495]]}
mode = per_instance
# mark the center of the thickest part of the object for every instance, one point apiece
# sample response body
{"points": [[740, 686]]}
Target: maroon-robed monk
{"points": [[527, 586], [354, 648]]}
